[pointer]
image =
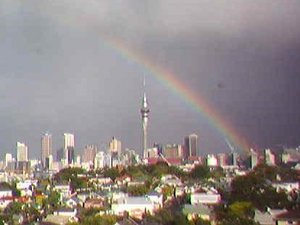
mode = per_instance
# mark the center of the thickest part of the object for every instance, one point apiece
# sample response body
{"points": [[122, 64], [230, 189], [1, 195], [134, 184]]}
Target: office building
{"points": [[69, 155], [89, 154], [190, 146], [69, 145], [8, 158], [69, 140], [173, 151], [222, 159], [253, 158], [22, 152], [269, 158], [115, 147], [60, 155], [46, 145]]}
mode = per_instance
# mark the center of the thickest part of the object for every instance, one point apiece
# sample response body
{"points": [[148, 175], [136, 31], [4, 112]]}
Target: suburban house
{"points": [[288, 218], [286, 186], [94, 203], [156, 198], [63, 189], [135, 206], [198, 211], [205, 198]]}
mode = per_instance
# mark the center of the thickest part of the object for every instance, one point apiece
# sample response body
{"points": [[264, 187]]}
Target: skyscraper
{"points": [[145, 113], [190, 145], [269, 157], [69, 140], [69, 155], [69, 144], [89, 153], [46, 142], [115, 146], [253, 158], [22, 152]]}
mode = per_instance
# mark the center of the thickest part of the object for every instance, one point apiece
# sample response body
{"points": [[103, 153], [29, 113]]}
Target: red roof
{"points": [[289, 215]]}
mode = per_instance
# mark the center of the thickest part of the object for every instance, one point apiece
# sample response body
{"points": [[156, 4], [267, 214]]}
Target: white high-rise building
{"points": [[8, 158], [253, 158], [102, 160], [50, 160], [269, 157], [115, 146], [69, 140], [211, 160], [69, 144], [22, 152], [46, 144]]}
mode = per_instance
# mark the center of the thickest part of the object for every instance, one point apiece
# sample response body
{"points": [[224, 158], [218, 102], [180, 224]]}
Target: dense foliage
{"points": [[71, 175]]}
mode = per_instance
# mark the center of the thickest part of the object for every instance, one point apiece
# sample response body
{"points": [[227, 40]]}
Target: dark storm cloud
{"points": [[57, 74]]}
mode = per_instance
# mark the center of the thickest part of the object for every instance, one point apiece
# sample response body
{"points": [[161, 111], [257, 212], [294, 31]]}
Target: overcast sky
{"points": [[58, 74]]}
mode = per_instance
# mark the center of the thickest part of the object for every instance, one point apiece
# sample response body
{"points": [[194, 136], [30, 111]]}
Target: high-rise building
{"points": [[89, 153], [190, 145], [172, 151], [60, 155], [102, 160], [69, 155], [269, 157], [222, 159], [69, 144], [253, 158], [22, 152], [211, 160], [8, 158], [69, 140], [233, 158], [46, 142], [115, 146], [145, 113], [49, 162], [151, 153]]}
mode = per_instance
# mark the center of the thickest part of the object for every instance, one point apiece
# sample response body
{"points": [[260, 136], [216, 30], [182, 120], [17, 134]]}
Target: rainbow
{"points": [[171, 81]]}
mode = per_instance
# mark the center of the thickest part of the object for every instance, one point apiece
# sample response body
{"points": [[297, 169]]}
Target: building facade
{"points": [[46, 147], [190, 146], [22, 152]]}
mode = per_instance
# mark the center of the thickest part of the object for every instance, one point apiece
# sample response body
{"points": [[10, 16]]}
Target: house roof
{"points": [[263, 217], [76, 199], [153, 193], [196, 209], [136, 200], [127, 221], [289, 215], [65, 209]]}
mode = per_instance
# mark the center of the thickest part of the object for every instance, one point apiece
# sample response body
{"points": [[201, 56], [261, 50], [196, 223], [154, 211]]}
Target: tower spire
{"points": [[145, 113]]}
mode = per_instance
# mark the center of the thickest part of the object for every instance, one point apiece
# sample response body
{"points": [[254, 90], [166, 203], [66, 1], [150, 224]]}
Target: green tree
{"points": [[238, 213], [257, 190], [167, 191], [199, 221], [200, 172], [242, 209], [99, 220], [67, 175], [137, 190], [51, 203], [112, 173]]}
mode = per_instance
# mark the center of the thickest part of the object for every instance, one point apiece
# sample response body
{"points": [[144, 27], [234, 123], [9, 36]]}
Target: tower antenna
{"points": [[145, 113]]}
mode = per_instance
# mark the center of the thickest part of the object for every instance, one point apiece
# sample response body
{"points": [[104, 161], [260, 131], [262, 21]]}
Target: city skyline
{"points": [[79, 69]]}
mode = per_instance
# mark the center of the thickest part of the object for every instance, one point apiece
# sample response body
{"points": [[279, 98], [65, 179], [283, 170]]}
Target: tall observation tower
{"points": [[145, 112]]}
